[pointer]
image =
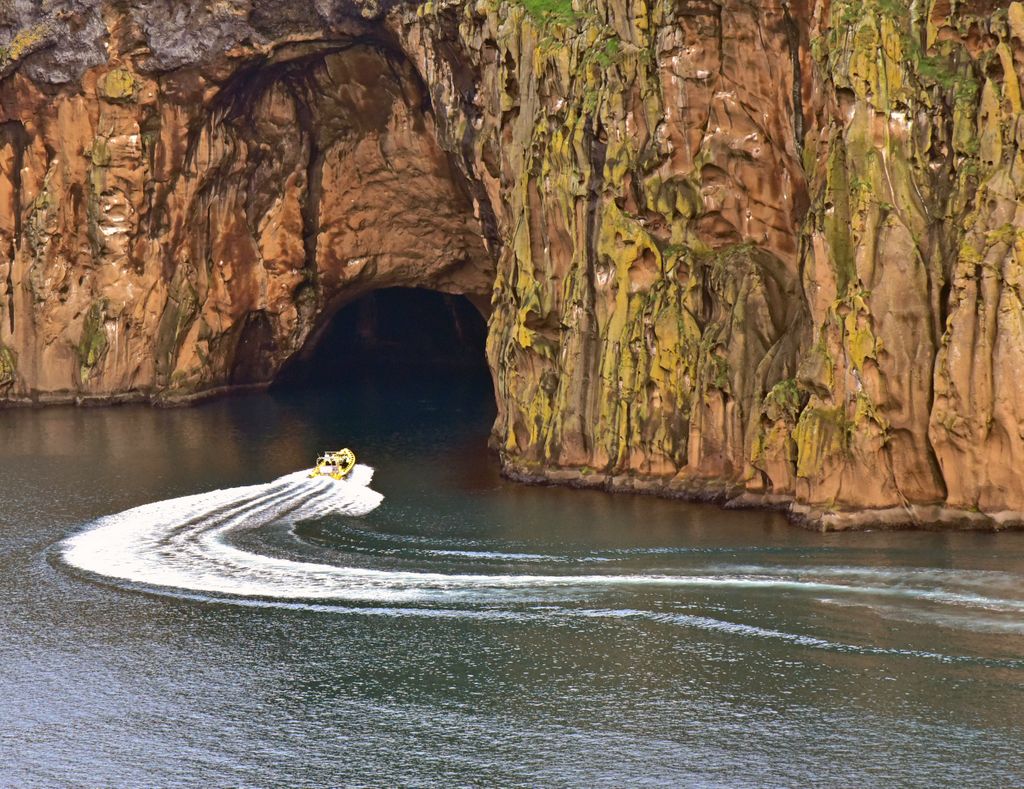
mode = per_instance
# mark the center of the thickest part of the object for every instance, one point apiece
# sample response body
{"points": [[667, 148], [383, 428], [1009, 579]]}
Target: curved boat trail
{"points": [[214, 544]]}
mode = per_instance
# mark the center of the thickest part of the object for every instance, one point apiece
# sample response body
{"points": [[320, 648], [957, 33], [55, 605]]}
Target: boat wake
{"points": [[215, 545]]}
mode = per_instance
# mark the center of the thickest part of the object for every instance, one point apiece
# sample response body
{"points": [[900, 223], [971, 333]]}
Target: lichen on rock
{"points": [[8, 368], [93, 343]]}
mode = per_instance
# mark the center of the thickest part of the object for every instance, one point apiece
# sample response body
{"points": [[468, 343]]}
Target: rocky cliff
{"points": [[764, 251]]}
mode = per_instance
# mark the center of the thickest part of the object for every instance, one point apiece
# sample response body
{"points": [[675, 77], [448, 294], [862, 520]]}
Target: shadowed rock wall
{"points": [[762, 250]]}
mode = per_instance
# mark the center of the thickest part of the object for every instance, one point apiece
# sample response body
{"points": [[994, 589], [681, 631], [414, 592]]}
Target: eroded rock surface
{"points": [[172, 232], [764, 251]]}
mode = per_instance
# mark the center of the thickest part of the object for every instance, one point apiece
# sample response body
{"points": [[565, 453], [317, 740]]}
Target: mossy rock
{"points": [[179, 313], [544, 10], [24, 43], [820, 434], [100, 152], [93, 344], [8, 367], [118, 85], [784, 401]]}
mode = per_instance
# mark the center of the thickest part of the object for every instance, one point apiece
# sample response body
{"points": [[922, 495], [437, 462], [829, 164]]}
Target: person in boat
{"points": [[335, 465]]}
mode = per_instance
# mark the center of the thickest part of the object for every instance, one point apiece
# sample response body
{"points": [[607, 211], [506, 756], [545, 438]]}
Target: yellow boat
{"points": [[335, 465]]}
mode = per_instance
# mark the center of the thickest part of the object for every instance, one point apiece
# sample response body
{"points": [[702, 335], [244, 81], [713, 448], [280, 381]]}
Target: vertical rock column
{"points": [[644, 164], [977, 423], [886, 177]]}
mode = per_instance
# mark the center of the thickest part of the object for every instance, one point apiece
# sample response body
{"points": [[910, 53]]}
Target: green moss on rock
{"points": [[24, 43], [8, 367], [821, 434], [93, 343], [549, 10], [117, 85]]}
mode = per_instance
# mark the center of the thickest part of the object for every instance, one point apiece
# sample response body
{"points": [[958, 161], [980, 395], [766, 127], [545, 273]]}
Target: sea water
{"points": [[183, 605]]}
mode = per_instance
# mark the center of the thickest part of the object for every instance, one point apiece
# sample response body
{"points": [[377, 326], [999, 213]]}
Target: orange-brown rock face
{"points": [[768, 251], [176, 232]]}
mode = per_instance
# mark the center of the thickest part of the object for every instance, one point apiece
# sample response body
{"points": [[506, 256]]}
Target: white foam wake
{"points": [[185, 543], [188, 544]]}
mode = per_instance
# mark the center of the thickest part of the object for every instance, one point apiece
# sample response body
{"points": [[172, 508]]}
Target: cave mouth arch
{"points": [[352, 242], [315, 178], [413, 338]]}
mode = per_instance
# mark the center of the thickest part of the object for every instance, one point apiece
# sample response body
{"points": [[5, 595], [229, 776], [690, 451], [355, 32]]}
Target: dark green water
{"points": [[766, 655]]}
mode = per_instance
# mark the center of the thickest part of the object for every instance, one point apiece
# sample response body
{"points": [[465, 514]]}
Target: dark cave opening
{"points": [[395, 335], [399, 368]]}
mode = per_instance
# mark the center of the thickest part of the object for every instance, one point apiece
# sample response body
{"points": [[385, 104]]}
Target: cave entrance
{"points": [[397, 343], [398, 368], [318, 179], [366, 224]]}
